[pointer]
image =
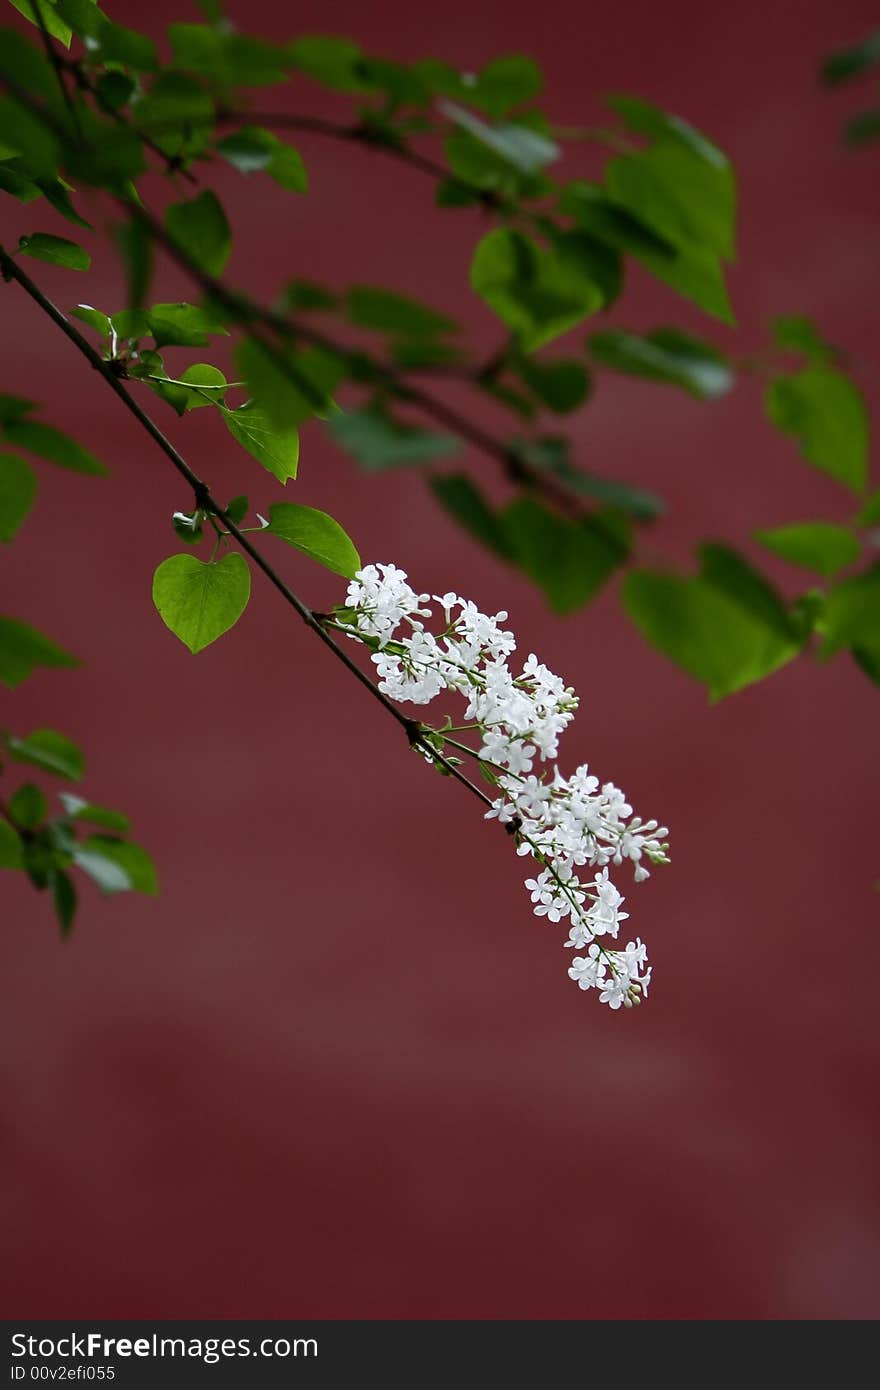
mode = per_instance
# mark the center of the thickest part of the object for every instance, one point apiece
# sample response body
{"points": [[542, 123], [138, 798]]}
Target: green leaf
{"points": [[551, 452], [114, 90], [826, 413], [179, 112], [387, 312], [316, 534], [55, 191], [63, 899], [129, 858], [18, 487], [93, 317], [562, 385], [49, 443], [81, 810], [13, 408], [136, 249], [665, 355], [645, 119], [570, 561], [464, 501], [28, 806], [731, 573], [171, 325], [695, 274], [863, 128], [847, 63], [535, 293], [594, 211], [870, 513], [24, 132], [794, 333], [704, 631], [104, 871], [817, 545], [527, 150], [200, 229], [237, 510], [10, 847], [199, 602], [51, 751], [332, 61], [378, 442], [57, 250], [307, 294], [211, 384], [289, 389], [277, 450], [504, 83], [54, 23], [22, 648], [851, 616], [252, 149], [687, 199]]}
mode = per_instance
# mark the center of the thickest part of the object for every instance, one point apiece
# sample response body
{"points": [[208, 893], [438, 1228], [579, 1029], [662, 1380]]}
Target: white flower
{"points": [[562, 822]]}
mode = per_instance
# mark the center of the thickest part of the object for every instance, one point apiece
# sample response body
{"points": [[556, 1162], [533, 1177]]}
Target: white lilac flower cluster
{"points": [[565, 824]]}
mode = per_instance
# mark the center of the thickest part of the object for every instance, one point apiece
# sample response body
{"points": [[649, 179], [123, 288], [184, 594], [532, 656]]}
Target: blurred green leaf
{"points": [[704, 631], [18, 487], [562, 385], [816, 545], [851, 616], [386, 312], [253, 149], [687, 199], [10, 847], [200, 229], [794, 333], [730, 573], [645, 119], [378, 442], [527, 150], [63, 899], [49, 443], [536, 294], [665, 355], [863, 128], [330, 60], [464, 501], [825, 412], [101, 869], [570, 561], [51, 751], [22, 649], [289, 388], [552, 453], [130, 858], [81, 810], [847, 63], [55, 25], [28, 807]]}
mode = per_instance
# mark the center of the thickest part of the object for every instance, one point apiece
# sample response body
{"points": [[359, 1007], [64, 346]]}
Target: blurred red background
{"points": [[337, 1068]]}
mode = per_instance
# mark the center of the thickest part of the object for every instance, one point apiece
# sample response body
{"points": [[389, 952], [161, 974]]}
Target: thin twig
{"points": [[204, 499]]}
